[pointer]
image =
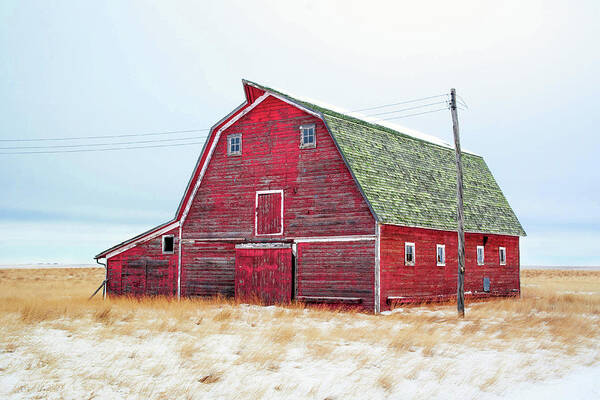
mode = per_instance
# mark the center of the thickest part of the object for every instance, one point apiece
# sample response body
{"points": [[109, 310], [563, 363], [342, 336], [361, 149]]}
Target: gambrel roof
{"points": [[411, 181], [406, 177]]}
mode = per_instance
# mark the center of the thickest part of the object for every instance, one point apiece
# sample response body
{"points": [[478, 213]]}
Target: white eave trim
{"points": [[142, 239], [450, 230]]}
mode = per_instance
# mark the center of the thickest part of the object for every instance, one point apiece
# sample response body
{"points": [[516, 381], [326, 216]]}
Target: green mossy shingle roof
{"points": [[412, 182]]}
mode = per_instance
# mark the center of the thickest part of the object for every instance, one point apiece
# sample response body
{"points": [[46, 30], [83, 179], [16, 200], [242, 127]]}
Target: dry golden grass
{"points": [[550, 304], [559, 312]]}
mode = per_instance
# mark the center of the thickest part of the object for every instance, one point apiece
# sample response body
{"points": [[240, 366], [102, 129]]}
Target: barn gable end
{"points": [[319, 196]]}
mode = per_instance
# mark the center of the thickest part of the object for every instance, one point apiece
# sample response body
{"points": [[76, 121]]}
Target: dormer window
{"points": [[234, 144], [308, 136]]}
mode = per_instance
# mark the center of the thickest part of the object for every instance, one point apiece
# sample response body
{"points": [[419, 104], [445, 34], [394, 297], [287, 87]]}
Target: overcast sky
{"points": [[528, 71]]}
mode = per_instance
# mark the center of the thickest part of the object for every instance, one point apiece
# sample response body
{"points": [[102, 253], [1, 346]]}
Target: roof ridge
{"points": [[360, 119]]}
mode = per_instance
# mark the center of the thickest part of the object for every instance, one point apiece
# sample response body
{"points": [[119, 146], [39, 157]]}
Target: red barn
{"points": [[290, 200]]}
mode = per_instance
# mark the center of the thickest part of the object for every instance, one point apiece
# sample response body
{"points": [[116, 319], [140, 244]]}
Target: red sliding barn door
{"points": [[269, 212], [263, 274]]}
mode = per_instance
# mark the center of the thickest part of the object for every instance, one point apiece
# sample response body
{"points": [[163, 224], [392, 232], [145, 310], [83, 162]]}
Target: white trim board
{"points": [[276, 245], [179, 262], [311, 239], [377, 288], [142, 239], [315, 239], [450, 230], [219, 239]]}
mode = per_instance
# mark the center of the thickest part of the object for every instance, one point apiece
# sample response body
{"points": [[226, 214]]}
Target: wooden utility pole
{"points": [[460, 295]]}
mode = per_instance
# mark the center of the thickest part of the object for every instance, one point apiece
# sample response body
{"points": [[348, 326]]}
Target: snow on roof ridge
{"points": [[387, 124]]}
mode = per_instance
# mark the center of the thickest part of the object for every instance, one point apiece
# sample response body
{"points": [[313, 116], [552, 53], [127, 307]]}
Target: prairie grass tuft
{"points": [[211, 378], [386, 381]]}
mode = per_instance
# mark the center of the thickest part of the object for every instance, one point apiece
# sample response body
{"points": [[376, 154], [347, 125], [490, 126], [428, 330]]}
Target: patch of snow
{"points": [[583, 383], [576, 292], [85, 364]]}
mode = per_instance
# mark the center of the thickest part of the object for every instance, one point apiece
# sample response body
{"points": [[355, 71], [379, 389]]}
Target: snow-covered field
{"points": [[55, 344]]}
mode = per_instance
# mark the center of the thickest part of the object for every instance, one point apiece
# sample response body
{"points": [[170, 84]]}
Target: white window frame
{"points": [[437, 248], [163, 244], [232, 136], [414, 253], [482, 255], [500, 251], [258, 193], [308, 145]]}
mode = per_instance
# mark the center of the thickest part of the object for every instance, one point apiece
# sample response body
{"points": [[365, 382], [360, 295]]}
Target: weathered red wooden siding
{"points": [[144, 270], [426, 281], [320, 197], [207, 268], [252, 93], [265, 274], [337, 269]]}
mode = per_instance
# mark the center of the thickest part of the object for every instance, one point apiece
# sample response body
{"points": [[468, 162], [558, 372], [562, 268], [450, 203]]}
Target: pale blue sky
{"points": [[529, 73]]}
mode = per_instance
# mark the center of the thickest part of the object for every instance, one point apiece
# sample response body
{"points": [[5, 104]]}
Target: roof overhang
{"points": [[134, 241]]}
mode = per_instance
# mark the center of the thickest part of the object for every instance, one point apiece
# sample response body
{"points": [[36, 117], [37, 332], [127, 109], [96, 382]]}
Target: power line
{"points": [[157, 146], [109, 149], [399, 103], [106, 136], [409, 108], [63, 147], [412, 115], [152, 141], [100, 144]]}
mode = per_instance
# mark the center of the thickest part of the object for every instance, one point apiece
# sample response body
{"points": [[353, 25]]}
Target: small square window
{"points": [[409, 253], [168, 244], [440, 250], [234, 144], [502, 255], [308, 136], [480, 255]]}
